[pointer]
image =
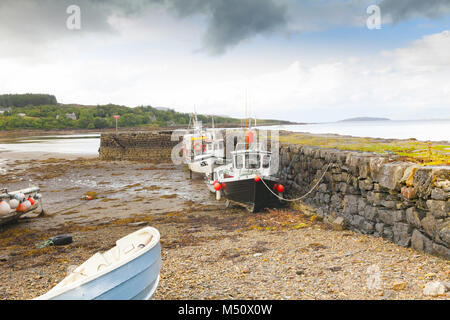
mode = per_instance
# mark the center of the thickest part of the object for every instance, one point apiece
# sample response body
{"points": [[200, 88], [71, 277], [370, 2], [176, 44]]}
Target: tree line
{"points": [[22, 100], [35, 115], [40, 111]]}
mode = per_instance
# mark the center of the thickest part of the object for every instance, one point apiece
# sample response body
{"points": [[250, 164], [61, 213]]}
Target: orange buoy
{"points": [[257, 178], [21, 207], [217, 186], [249, 137]]}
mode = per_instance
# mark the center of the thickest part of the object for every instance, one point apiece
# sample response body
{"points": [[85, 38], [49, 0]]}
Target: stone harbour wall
{"points": [[373, 194], [140, 146]]}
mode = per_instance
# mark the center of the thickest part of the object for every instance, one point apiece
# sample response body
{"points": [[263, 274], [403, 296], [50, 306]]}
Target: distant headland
{"points": [[364, 119]]}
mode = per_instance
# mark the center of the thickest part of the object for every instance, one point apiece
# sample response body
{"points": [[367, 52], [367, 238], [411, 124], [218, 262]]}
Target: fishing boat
{"points": [[14, 204], [203, 149], [248, 180], [128, 271]]}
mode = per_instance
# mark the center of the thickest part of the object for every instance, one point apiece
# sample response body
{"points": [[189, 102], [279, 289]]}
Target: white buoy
{"points": [[13, 203], [27, 204], [218, 195], [4, 207], [19, 196]]}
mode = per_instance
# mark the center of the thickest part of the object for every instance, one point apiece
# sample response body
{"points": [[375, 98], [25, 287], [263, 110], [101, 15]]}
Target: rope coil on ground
{"points": [[306, 194]]}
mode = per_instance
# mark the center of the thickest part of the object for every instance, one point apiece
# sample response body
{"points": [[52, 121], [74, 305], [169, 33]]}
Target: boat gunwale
{"points": [[59, 291]]}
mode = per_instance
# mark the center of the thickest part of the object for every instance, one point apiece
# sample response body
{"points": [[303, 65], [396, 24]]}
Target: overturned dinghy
{"points": [[128, 271]]}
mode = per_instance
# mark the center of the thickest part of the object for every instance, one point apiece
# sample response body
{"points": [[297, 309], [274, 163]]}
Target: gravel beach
{"points": [[208, 252]]}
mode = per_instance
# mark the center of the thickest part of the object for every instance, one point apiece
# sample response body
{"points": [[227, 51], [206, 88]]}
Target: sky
{"points": [[297, 60]]}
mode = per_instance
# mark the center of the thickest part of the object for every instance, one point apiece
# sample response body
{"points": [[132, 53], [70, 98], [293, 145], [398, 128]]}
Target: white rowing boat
{"points": [[128, 271]]}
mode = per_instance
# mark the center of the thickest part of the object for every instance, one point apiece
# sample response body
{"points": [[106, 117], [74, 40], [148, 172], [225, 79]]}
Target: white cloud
{"points": [[427, 54], [406, 83]]}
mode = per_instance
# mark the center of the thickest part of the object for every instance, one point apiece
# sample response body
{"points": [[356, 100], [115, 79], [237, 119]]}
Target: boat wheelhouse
{"points": [[204, 150]]}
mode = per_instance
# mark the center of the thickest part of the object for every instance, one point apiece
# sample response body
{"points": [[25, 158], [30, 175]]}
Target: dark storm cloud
{"points": [[228, 21], [400, 10], [232, 21]]}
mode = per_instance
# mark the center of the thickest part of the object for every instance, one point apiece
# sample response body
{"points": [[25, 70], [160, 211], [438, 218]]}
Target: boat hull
{"points": [[251, 194], [135, 280]]}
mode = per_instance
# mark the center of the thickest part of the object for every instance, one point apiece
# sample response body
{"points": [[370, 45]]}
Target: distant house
{"points": [[71, 116], [21, 114], [3, 110]]}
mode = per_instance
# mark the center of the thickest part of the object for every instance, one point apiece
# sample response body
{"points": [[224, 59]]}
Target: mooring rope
{"points": [[306, 194]]}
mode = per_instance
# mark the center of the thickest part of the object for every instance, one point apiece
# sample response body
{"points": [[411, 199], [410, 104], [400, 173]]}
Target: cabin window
{"points": [[252, 161], [238, 161], [266, 161]]}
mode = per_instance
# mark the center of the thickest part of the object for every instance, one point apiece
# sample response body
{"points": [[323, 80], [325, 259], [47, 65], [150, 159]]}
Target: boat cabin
{"points": [[246, 162]]}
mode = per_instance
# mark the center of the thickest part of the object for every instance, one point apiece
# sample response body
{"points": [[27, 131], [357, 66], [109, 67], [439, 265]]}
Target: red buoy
{"points": [[223, 185], [280, 188], [257, 178], [31, 200], [217, 186], [275, 186], [249, 137]]}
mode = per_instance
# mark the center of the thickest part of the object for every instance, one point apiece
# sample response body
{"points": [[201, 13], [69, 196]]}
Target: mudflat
{"points": [[208, 252]]}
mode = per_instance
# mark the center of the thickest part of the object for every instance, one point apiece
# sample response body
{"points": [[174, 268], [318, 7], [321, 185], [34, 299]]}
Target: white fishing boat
{"points": [[128, 271], [203, 149]]}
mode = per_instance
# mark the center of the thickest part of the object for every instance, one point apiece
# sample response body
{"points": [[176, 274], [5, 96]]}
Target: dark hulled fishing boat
{"points": [[248, 180]]}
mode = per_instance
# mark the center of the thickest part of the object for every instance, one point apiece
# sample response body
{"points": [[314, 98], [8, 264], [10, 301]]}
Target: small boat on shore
{"points": [[14, 204], [128, 271], [248, 180]]}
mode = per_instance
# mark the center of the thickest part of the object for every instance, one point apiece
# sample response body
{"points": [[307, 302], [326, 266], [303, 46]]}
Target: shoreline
{"points": [[208, 252]]}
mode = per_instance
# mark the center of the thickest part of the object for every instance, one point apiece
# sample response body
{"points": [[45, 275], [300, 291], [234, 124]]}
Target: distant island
{"points": [[364, 119]]}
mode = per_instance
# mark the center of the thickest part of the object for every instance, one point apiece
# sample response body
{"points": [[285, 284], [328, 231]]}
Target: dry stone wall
{"points": [[373, 194], [140, 146]]}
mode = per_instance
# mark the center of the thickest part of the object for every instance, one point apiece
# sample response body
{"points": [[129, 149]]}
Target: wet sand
{"points": [[208, 252]]}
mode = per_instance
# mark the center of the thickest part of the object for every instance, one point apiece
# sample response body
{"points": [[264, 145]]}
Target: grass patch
{"points": [[422, 153]]}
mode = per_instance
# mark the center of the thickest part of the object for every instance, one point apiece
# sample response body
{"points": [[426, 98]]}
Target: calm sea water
{"points": [[71, 144], [434, 130]]}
